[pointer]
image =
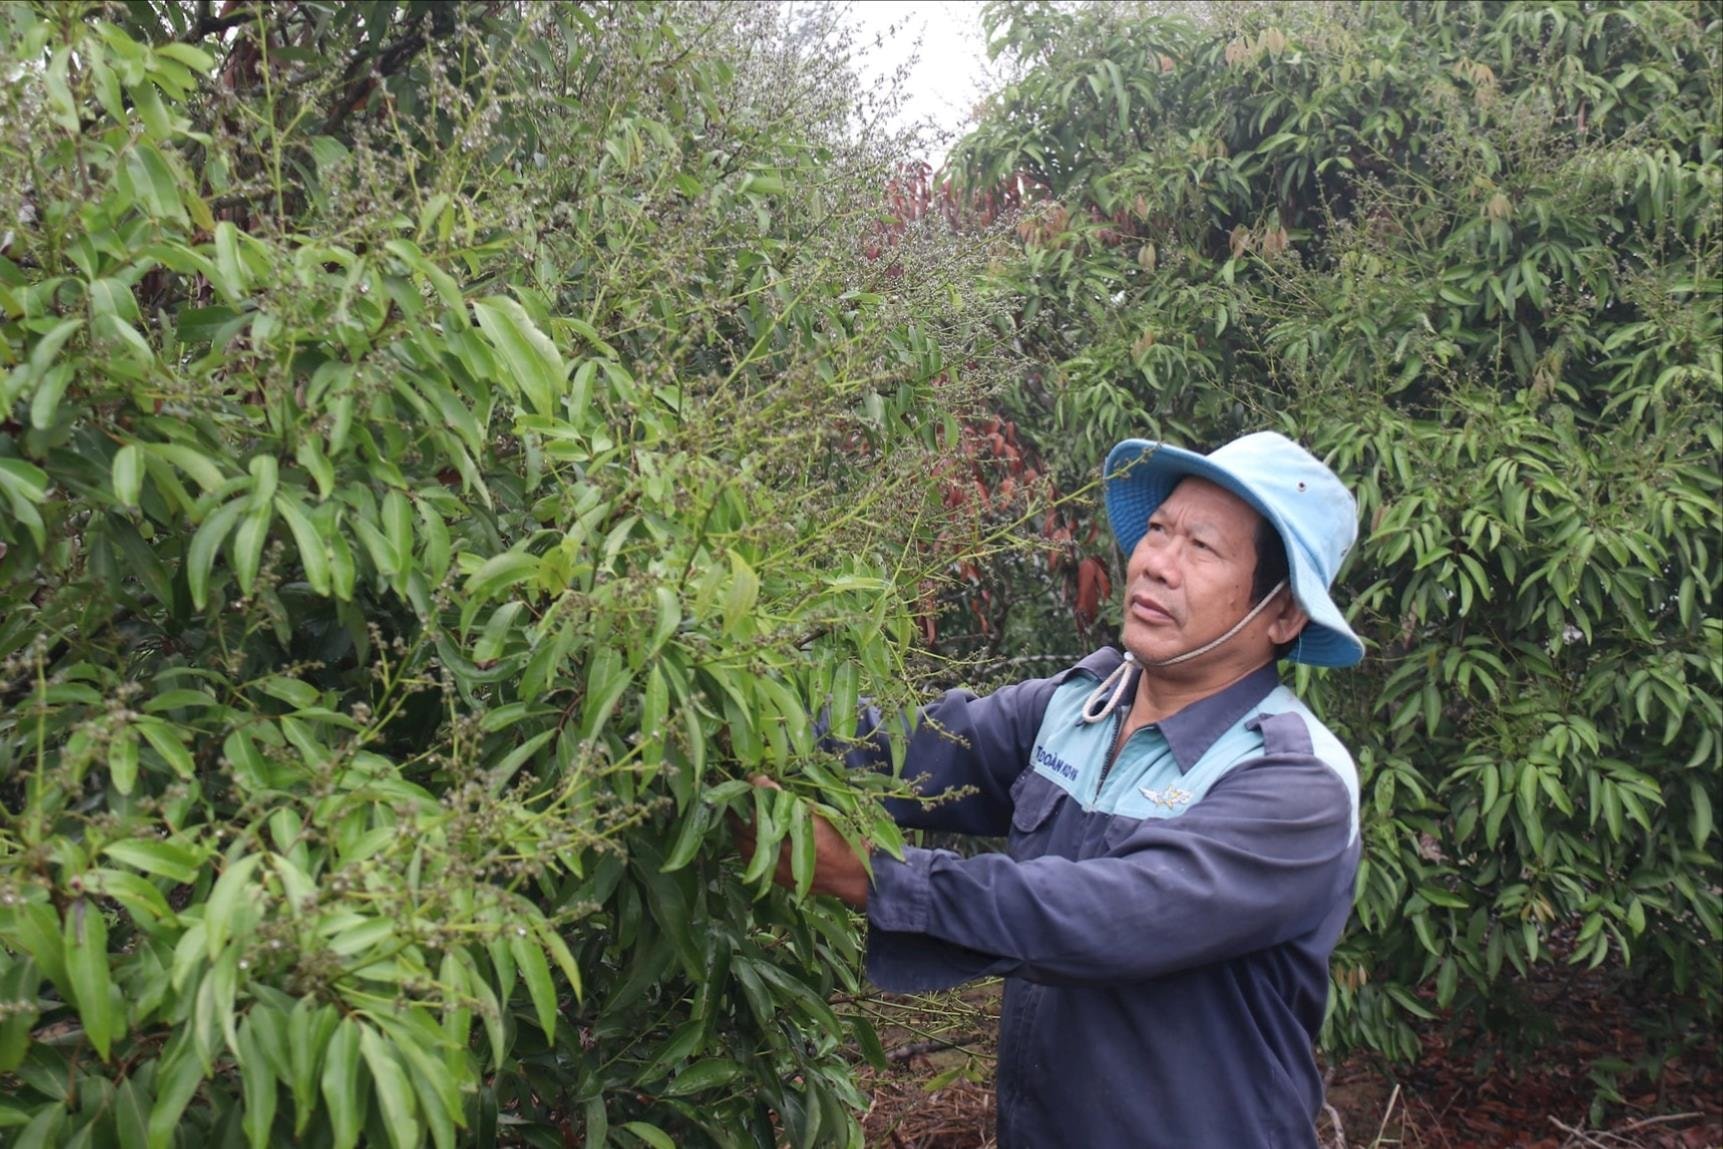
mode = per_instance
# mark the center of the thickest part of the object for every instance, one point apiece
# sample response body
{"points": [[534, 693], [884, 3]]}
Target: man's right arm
{"points": [[961, 743]]}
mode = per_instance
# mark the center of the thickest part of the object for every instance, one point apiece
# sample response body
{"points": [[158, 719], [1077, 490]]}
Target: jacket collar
{"points": [[1191, 731]]}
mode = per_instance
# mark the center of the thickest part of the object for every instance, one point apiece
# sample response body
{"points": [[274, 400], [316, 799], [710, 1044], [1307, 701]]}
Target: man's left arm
{"points": [[1258, 861]]}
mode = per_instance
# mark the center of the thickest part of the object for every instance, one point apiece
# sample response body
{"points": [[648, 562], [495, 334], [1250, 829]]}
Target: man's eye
{"points": [[1200, 545]]}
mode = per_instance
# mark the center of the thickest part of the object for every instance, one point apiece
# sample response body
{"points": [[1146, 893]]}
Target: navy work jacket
{"points": [[1163, 920]]}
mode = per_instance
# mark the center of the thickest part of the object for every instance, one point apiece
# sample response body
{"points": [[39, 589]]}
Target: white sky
{"points": [[951, 72]]}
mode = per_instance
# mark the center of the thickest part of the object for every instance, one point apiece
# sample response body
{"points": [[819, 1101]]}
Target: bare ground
{"points": [[1585, 1079]]}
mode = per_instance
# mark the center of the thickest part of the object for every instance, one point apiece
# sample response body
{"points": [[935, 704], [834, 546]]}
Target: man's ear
{"points": [[1286, 620]]}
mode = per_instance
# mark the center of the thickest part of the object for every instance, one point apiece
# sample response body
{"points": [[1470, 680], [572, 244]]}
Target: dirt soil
{"points": [[1465, 1092]]}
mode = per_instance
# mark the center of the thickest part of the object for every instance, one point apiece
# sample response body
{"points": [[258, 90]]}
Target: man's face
{"points": [[1189, 579]]}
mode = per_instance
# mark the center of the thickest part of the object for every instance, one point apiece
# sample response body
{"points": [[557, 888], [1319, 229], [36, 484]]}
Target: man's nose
{"points": [[1158, 560]]}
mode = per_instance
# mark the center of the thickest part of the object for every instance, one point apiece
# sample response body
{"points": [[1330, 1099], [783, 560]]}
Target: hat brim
{"points": [[1138, 477]]}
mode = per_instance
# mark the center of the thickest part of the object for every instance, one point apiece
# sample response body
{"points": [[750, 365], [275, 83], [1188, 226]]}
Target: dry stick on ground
{"points": [[1578, 1136], [1664, 1120], [1393, 1099], [1339, 1129], [917, 1048]]}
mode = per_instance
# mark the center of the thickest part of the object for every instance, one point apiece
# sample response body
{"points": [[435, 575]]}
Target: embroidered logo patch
{"points": [[1170, 799], [1055, 763]]}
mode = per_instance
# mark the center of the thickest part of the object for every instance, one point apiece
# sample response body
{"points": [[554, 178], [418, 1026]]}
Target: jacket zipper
{"points": [[1113, 754], [1118, 744]]}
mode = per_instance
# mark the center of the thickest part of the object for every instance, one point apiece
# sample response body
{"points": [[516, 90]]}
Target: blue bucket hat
{"points": [[1301, 498]]}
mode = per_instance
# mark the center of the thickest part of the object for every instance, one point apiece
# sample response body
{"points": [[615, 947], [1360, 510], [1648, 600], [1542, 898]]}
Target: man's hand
{"points": [[837, 869]]}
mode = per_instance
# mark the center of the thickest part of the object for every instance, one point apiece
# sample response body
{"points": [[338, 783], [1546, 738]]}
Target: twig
{"points": [[917, 1048], [1339, 1128], [368, 70], [1393, 1099], [207, 24], [1577, 1136], [1665, 1120]]}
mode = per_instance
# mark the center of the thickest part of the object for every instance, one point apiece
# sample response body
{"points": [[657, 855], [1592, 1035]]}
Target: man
{"points": [[1183, 831]]}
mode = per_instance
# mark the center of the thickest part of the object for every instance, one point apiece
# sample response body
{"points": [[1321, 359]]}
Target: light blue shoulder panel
{"points": [[1146, 782]]}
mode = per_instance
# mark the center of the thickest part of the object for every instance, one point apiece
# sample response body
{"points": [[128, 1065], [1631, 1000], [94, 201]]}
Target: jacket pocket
{"points": [[1033, 801]]}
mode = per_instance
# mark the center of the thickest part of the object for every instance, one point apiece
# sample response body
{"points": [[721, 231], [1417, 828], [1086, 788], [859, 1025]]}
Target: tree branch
{"points": [[368, 70], [208, 24]]}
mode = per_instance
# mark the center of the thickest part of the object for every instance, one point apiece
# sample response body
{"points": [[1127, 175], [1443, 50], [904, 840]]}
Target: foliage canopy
{"points": [[448, 448], [1469, 253]]}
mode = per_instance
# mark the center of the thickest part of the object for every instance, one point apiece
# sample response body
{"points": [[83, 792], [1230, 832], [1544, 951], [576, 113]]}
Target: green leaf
{"points": [[531, 361], [313, 552], [248, 543], [1700, 820], [607, 677], [309, 1028], [128, 475], [703, 1075], [26, 478], [689, 837], [762, 183], [43, 1129], [194, 463], [230, 891], [443, 283], [62, 108], [35, 929], [86, 942], [138, 895], [194, 58], [802, 847], [535, 972], [165, 740], [123, 759], [25, 485], [499, 573], [669, 617], [177, 1080], [200, 556], [395, 1094], [47, 349], [742, 593], [341, 1085], [868, 1038], [438, 1096], [559, 952], [265, 477], [295, 692], [597, 1122], [148, 103], [152, 179], [1410, 1004], [503, 771], [257, 1082], [20, 984], [176, 863], [497, 631], [769, 836], [650, 1134], [132, 1115], [180, 699], [398, 529], [1437, 896]]}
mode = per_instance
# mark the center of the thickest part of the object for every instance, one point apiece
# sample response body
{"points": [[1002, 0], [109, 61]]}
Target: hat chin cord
{"points": [[1107, 696]]}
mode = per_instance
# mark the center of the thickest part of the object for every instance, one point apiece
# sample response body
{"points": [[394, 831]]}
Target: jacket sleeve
{"points": [[1259, 860], [962, 742]]}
